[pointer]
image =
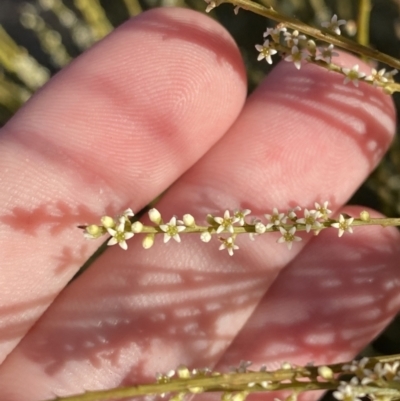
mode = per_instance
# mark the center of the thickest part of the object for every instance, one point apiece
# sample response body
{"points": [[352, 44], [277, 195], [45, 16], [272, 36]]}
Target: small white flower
{"points": [[137, 227], [119, 235], [334, 24], [357, 366], [391, 369], [265, 52], [311, 47], [226, 222], [326, 54], [172, 230], [310, 220], [325, 372], [288, 236], [229, 245], [269, 32], [93, 231], [108, 222], [148, 241], [352, 75], [274, 33], [377, 77], [210, 5], [127, 213], [240, 215], [276, 219], [348, 391], [188, 220], [259, 228], [205, 236], [386, 370], [292, 213], [155, 216], [296, 57], [165, 377], [390, 74], [293, 38], [323, 209], [343, 225], [365, 216]]}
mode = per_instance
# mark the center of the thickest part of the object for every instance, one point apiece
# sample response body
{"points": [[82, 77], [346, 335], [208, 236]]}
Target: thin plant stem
{"points": [[363, 19]]}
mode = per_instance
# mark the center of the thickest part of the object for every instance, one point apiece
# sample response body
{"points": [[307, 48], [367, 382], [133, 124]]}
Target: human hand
{"points": [[161, 100]]}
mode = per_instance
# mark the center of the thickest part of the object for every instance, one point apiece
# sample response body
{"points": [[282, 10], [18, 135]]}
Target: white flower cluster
{"points": [[380, 371], [349, 391], [226, 228], [297, 48]]}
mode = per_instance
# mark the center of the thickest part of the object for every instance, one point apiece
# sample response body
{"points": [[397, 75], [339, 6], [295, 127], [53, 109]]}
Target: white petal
{"points": [[112, 241], [177, 238], [129, 235], [123, 245], [205, 236], [164, 227], [111, 231]]}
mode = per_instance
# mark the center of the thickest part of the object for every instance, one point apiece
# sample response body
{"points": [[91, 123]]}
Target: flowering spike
{"points": [[234, 223]]}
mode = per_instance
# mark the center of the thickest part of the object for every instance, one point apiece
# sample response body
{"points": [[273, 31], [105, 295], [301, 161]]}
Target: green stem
{"points": [[364, 12], [296, 380]]}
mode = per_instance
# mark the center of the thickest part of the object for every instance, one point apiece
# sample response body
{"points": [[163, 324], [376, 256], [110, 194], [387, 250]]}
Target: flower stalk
{"points": [[228, 227], [374, 377]]}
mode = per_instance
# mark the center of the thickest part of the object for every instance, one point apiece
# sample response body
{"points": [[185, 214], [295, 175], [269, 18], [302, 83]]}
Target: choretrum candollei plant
{"points": [[376, 378]]}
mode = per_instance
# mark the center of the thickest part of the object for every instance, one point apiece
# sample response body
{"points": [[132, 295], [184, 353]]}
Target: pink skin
{"points": [[120, 125]]}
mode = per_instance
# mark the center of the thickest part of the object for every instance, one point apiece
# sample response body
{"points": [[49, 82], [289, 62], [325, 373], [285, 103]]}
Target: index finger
{"points": [[113, 129]]}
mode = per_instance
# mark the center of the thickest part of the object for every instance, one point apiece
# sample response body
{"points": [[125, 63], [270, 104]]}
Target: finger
{"points": [[327, 305], [295, 141], [113, 129]]}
